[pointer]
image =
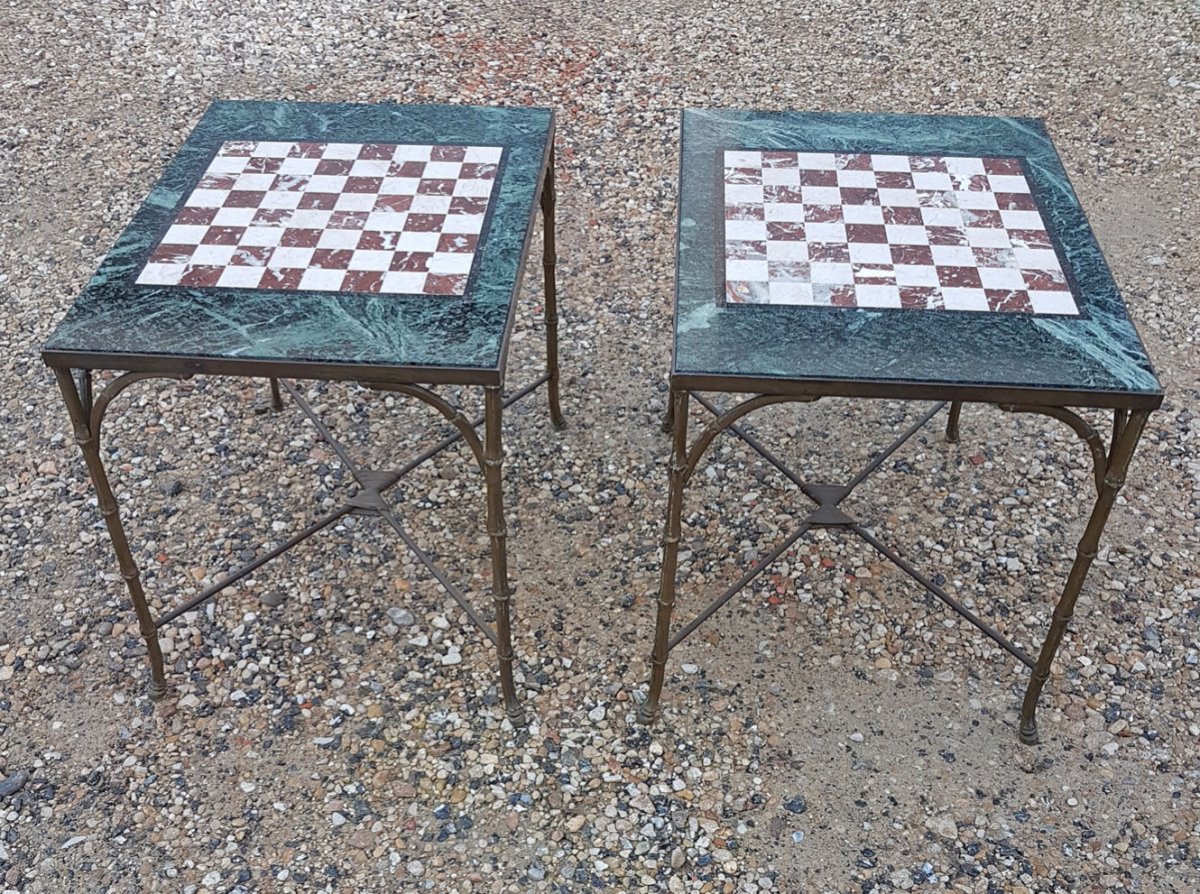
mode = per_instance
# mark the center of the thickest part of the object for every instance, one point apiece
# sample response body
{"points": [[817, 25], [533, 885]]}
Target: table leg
{"points": [[666, 588], [952, 422], [1114, 478], [276, 397], [668, 423], [549, 259], [87, 437], [493, 460]]}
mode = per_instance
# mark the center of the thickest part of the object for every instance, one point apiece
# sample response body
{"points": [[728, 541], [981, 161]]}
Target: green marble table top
{"points": [[894, 255], [340, 240]]}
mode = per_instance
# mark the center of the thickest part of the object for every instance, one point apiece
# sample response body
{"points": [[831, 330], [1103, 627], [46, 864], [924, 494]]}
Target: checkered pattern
{"points": [[898, 231], [330, 217]]}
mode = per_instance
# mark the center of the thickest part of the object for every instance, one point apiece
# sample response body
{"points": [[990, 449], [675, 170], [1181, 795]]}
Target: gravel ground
{"points": [[333, 722]]}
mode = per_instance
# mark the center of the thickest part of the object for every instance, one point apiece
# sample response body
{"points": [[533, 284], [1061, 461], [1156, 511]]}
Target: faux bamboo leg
{"points": [[1085, 554], [493, 460], [87, 440], [276, 397], [549, 259], [649, 710], [952, 422]]}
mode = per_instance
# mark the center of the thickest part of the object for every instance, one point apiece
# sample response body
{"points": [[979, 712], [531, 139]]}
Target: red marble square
{"points": [[411, 262], [200, 276], [424, 223], [244, 198], [1006, 166], [347, 220], [1003, 300], [401, 203], [818, 177], [362, 281], [385, 151], [196, 216], [223, 236], [959, 277], [458, 243], [319, 201], [332, 258], [263, 165], [436, 187], [903, 216], [784, 231], [436, 284], [853, 195], [782, 194], [912, 255], [335, 167], [363, 184], [300, 238], [408, 169], [448, 153], [866, 233], [287, 278], [307, 150]]}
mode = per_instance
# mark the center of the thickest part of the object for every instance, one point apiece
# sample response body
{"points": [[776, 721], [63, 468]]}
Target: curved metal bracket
{"points": [[115, 387], [728, 418], [1078, 425], [443, 406]]}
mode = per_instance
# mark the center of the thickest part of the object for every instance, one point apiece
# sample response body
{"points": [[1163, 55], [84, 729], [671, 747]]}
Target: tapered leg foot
{"points": [[647, 714], [1029, 733], [276, 396], [157, 691], [516, 715]]}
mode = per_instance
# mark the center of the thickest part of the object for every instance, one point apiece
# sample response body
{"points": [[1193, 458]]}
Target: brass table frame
{"points": [[1109, 466], [74, 375]]}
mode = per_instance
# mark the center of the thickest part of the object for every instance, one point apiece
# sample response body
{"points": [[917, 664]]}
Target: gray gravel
{"points": [[333, 723]]}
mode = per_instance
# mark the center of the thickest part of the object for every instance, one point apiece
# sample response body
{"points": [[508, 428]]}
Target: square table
{"points": [[383, 244], [900, 257]]}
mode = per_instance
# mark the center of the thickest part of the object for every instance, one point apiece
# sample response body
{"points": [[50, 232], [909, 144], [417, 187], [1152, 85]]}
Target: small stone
{"points": [[212, 879], [416, 867], [14, 783], [338, 820], [451, 658], [597, 714], [690, 668], [795, 805], [104, 628], [247, 787], [677, 858], [273, 598], [943, 825], [73, 840], [401, 617], [797, 836], [856, 737]]}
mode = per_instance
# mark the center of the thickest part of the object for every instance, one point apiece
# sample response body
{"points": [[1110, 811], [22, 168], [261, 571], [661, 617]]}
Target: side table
{"points": [[383, 244], [921, 258]]}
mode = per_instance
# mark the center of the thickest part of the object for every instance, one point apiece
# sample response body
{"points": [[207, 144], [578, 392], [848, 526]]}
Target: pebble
{"points": [[10, 785], [401, 617]]}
